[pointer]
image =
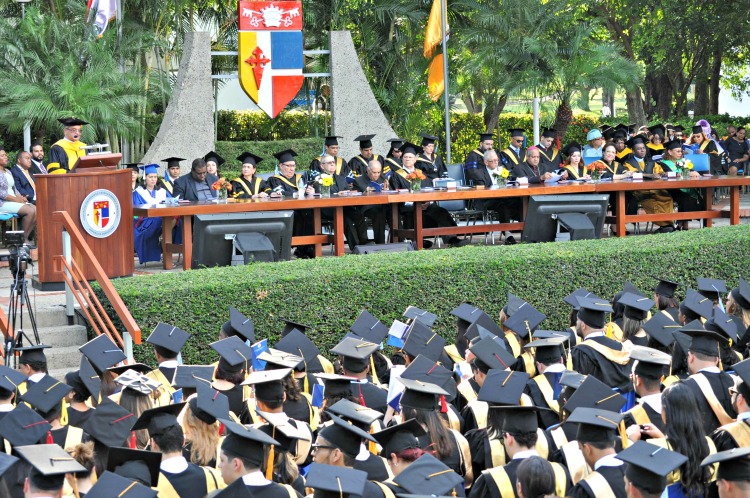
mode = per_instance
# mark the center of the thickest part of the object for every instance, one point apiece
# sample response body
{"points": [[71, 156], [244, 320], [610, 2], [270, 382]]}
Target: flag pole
{"points": [[447, 117]]}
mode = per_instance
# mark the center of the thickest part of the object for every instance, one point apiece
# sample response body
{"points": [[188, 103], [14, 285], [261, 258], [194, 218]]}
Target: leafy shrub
{"points": [[257, 126]]}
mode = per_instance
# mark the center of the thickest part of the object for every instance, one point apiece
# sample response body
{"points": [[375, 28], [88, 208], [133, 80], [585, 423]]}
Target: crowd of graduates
{"points": [[641, 396]]}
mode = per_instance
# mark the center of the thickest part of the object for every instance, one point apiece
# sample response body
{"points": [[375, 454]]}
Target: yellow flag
{"points": [[434, 34], [435, 81]]}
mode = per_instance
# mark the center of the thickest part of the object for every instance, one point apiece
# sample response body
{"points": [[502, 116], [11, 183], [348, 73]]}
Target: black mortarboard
{"points": [[140, 368], [296, 342], [486, 136], [90, 378], [395, 142], [734, 464], [33, 353], [722, 324], [246, 442], [702, 340], [133, 166], [191, 376], [369, 328], [679, 128], [624, 127], [332, 140], [73, 379], [365, 141], [46, 394], [421, 395], [23, 426], [548, 350], [276, 359], [49, 464], [209, 405], [414, 313], [427, 370], [102, 352], [335, 481], [429, 476], [169, 337], [657, 129], [742, 370], [595, 425], [650, 362], [110, 424], [572, 379], [513, 305], [635, 141], [525, 320], [345, 436], [428, 139], [666, 288], [110, 484], [593, 393], [10, 379], [609, 133], [336, 385], [157, 420], [400, 437], [421, 339], [120, 461], [250, 158], [636, 307], [290, 325], [741, 294], [516, 132], [268, 384], [519, 419], [173, 161], [648, 465], [697, 129], [572, 147], [632, 289], [215, 157], [502, 387], [661, 328], [467, 313], [356, 353], [241, 325], [711, 287], [483, 325], [673, 144], [697, 303], [6, 462], [410, 148], [620, 134], [492, 354], [285, 156], [286, 434], [549, 132], [234, 353], [72, 121], [572, 298], [359, 415], [592, 311]]}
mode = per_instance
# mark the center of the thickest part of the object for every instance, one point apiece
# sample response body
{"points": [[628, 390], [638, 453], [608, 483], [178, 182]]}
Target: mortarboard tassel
{"points": [[221, 428], [131, 442], [443, 404], [558, 142], [375, 379], [49, 438], [623, 434], [361, 397], [371, 445], [271, 457]]}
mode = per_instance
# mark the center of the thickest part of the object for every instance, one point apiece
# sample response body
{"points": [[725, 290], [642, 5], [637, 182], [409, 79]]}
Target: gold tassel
{"points": [[373, 373], [371, 445], [64, 414], [271, 457], [623, 435]]}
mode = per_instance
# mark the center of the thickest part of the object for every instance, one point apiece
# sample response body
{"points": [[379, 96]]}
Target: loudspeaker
{"points": [[399, 247], [251, 247]]}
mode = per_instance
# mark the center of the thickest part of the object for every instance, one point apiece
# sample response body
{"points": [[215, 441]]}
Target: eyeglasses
{"points": [[288, 165], [491, 161], [316, 447]]}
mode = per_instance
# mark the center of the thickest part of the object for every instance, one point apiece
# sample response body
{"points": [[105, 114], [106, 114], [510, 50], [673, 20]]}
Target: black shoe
{"points": [[666, 229], [510, 240], [426, 244]]}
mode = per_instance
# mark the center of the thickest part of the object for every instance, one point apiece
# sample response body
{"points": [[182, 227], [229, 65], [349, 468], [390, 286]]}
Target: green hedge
{"points": [[307, 148], [256, 125], [328, 293]]}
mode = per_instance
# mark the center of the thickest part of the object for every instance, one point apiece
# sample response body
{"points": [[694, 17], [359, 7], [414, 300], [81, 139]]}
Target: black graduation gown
{"points": [[720, 384], [654, 418], [378, 213], [481, 452], [510, 159], [508, 208], [524, 170], [342, 168], [358, 164], [303, 218], [549, 159], [545, 418], [243, 188], [298, 410], [271, 490], [454, 460], [78, 419], [391, 164], [724, 440], [615, 476], [587, 361], [485, 487], [433, 167], [375, 397], [191, 482], [237, 405], [374, 466], [433, 216], [474, 161]]}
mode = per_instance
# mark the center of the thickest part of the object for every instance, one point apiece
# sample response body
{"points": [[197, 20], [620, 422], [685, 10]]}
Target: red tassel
{"points": [[443, 404], [558, 143], [221, 428], [361, 397], [49, 438], [132, 443]]}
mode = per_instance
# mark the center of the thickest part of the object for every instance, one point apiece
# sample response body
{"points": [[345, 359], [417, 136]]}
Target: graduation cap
{"points": [[246, 442], [151, 169], [421, 339], [6, 462], [138, 383], [421, 395], [369, 328], [483, 325], [290, 325], [209, 404], [741, 294], [520, 419], [133, 166], [428, 139], [49, 464], [429, 476], [486, 136], [285, 156], [657, 129], [712, 287], [466, 314], [335, 481], [23, 426], [110, 484], [742, 370], [356, 353], [679, 129], [268, 384], [516, 132], [410, 148], [400, 437], [636, 307], [734, 464], [427, 370], [698, 304], [46, 394], [650, 362], [157, 420], [173, 162], [286, 434], [73, 379], [673, 144], [549, 132], [592, 311], [649, 465], [168, 337], [344, 436], [359, 415], [32, 354], [72, 121], [697, 129], [90, 377], [10, 379], [241, 325], [235, 354], [110, 424], [513, 305], [336, 385], [332, 140], [503, 387], [414, 313], [297, 343], [661, 328], [593, 393], [249, 158], [140, 368], [276, 359], [102, 352], [191, 376], [139, 465], [722, 324], [215, 157], [635, 141], [620, 134], [595, 425], [702, 340], [572, 298], [666, 288], [365, 141], [572, 379], [492, 355], [549, 350], [525, 320], [571, 147]]}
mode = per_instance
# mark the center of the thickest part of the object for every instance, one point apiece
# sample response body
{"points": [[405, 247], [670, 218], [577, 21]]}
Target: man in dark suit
{"points": [[196, 185], [37, 160], [486, 175], [373, 181], [22, 176], [531, 167]]}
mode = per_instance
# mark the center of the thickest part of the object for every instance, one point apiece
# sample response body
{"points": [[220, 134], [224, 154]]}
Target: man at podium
{"points": [[66, 151]]}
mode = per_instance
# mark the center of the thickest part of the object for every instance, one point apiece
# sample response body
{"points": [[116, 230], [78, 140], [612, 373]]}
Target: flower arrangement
{"points": [[325, 180], [222, 184], [597, 166], [417, 174], [685, 164], [501, 172]]}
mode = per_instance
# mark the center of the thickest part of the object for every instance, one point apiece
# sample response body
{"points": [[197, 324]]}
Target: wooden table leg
{"points": [[620, 215], [734, 205], [317, 229], [187, 242], [395, 222], [418, 225], [709, 200], [338, 230], [167, 225]]}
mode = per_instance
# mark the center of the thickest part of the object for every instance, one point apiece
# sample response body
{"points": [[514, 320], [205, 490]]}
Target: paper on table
{"points": [[555, 177]]}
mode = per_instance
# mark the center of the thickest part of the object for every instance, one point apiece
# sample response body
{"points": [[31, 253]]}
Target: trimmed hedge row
{"points": [[328, 293], [256, 125]]}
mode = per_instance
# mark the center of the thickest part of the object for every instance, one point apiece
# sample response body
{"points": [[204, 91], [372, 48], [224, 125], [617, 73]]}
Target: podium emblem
{"points": [[270, 52], [100, 213]]}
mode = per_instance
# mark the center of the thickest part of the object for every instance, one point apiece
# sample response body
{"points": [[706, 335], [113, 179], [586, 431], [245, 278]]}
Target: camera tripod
{"points": [[19, 297]]}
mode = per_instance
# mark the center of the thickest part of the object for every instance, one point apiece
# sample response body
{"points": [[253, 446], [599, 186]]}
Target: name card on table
{"points": [[671, 174], [522, 181], [637, 176]]}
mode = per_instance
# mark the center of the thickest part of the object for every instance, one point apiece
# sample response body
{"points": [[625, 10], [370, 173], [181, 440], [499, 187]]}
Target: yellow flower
{"points": [[688, 164], [504, 173], [325, 180]]}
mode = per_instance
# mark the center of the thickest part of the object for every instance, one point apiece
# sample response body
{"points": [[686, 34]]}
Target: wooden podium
{"points": [[67, 193]]}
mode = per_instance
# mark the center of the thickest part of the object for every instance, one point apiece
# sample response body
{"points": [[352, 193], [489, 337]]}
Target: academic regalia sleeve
{"points": [[58, 160], [484, 488]]}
